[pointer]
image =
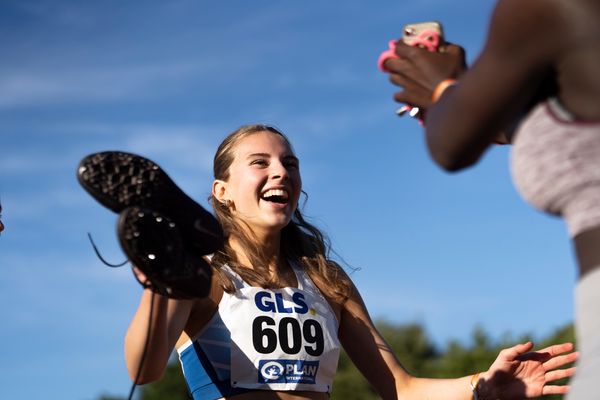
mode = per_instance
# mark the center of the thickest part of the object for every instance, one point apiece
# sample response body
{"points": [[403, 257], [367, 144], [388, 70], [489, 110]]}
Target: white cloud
{"points": [[183, 145], [58, 85], [35, 161], [186, 146], [32, 204]]}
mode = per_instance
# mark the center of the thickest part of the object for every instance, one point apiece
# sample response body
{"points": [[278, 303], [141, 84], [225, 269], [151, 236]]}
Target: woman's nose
{"points": [[279, 171]]}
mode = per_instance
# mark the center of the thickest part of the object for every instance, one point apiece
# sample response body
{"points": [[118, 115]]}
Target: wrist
{"points": [[473, 383], [441, 88], [482, 387]]}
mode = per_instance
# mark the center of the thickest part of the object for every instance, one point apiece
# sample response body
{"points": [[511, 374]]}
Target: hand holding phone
{"points": [[428, 35]]}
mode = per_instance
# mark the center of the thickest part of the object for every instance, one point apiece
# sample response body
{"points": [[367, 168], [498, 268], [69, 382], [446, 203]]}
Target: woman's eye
{"points": [[259, 162]]}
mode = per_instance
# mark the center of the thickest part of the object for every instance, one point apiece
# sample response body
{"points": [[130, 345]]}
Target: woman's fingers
{"points": [[397, 65], [559, 361], [550, 353], [519, 350], [404, 50], [557, 349], [140, 276], [552, 389], [559, 374]]}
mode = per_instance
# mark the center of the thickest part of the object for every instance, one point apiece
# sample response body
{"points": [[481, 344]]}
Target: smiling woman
{"points": [[255, 197], [279, 310]]}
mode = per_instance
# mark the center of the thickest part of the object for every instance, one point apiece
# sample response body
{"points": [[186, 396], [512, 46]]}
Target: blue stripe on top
{"points": [[206, 363]]}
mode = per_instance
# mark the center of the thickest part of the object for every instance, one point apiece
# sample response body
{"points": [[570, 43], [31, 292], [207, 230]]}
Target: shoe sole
{"points": [[118, 180], [154, 244]]}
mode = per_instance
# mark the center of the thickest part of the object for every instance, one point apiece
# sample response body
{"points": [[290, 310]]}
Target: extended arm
{"points": [[376, 361], [516, 373]]}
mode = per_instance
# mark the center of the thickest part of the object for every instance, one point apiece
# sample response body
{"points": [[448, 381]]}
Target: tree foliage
{"points": [[410, 342], [171, 387]]}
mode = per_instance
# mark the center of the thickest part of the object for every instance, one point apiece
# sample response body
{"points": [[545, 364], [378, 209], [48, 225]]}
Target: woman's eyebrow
{"points": [[291, 157], [267, 155], [258, 155]]}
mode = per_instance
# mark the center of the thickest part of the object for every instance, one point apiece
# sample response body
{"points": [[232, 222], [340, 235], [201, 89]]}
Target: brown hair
{"points": [[301, 242]]}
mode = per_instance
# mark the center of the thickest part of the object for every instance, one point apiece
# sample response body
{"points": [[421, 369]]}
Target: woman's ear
{"points": [[219, 191]]}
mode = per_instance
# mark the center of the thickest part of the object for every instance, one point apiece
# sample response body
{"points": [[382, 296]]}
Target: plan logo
{"points": [[271, 371], [287, 371]]}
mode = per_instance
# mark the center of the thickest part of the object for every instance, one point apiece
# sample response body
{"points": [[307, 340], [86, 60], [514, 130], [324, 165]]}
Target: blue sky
{"points": [[169, 80]]}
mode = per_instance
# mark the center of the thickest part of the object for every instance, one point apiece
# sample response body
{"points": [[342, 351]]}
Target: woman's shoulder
{"points": [[531, 34], [551, 18]]}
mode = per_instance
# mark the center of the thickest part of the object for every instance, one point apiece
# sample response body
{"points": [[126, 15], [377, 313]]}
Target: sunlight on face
{"points": [[264, 181]]}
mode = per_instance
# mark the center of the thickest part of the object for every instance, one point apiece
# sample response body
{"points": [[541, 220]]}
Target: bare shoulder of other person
{"points": [[577, 55], [527, 29]]}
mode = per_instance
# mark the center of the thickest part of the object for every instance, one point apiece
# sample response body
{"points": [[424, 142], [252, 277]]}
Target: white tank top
{"points": [[280, 339]]}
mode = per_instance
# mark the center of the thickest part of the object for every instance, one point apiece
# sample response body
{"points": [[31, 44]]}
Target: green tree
{"points": [[349, 384], [409, 342], [461, 360], [171, 387]]}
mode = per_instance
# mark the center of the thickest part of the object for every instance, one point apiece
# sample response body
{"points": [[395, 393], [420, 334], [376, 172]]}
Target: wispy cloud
{"points": [[75, 84], [186, 146], [19, 163], [32, 203]]}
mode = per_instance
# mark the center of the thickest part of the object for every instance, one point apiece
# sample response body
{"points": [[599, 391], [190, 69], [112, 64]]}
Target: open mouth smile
{"points": [[279, 196]]}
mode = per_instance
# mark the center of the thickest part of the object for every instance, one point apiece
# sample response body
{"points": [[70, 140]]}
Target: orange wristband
{"points": [[441, 88], [473, 383]]}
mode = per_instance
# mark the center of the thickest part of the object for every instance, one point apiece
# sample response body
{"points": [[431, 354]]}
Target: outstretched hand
{"points": [[519, 373]]}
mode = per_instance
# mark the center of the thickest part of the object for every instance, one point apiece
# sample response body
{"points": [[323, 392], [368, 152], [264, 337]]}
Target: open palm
{"points": [[519, 373]]}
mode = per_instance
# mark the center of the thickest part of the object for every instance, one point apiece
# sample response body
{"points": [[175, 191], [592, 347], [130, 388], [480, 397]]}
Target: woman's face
{"points": [[264, 182]]}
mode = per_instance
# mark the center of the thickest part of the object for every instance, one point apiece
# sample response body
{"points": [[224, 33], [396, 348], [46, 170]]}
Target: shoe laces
{"points": [[102, 258]]}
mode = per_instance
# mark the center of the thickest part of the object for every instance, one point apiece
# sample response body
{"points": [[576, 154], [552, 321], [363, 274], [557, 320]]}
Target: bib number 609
{"points": [[266, 335]]}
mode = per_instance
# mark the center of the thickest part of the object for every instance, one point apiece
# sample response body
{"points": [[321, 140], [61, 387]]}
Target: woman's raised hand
{"points": [[519, 373]]}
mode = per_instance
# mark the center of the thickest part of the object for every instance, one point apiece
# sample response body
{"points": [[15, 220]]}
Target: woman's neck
{"points": [[269, 246]]}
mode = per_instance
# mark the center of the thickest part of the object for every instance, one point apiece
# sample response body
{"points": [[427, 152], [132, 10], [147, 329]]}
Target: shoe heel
{"points": [[154, 244]]}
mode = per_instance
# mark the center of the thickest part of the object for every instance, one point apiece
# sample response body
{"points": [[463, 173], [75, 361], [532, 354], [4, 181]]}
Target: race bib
{"points": [[282, 339]]}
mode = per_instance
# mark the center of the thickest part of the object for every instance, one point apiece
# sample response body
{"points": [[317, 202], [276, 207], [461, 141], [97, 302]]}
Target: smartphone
{"points": [[424, 34], [428, 35]]}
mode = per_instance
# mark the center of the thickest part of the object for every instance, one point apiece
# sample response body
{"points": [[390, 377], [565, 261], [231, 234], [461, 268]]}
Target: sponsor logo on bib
{"points": [[287, 371], [279, 303]]}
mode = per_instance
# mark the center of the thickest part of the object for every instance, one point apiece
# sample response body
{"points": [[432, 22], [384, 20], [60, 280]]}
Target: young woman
{"points": [[279, 309], [539, 68]]}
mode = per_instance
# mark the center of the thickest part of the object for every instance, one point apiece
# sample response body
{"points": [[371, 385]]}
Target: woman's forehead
{"points": [[263, 142]]}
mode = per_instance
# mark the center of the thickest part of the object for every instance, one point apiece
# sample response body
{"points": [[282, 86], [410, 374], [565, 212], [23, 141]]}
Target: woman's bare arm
{"points": [[374, 358], [169, 318]]}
